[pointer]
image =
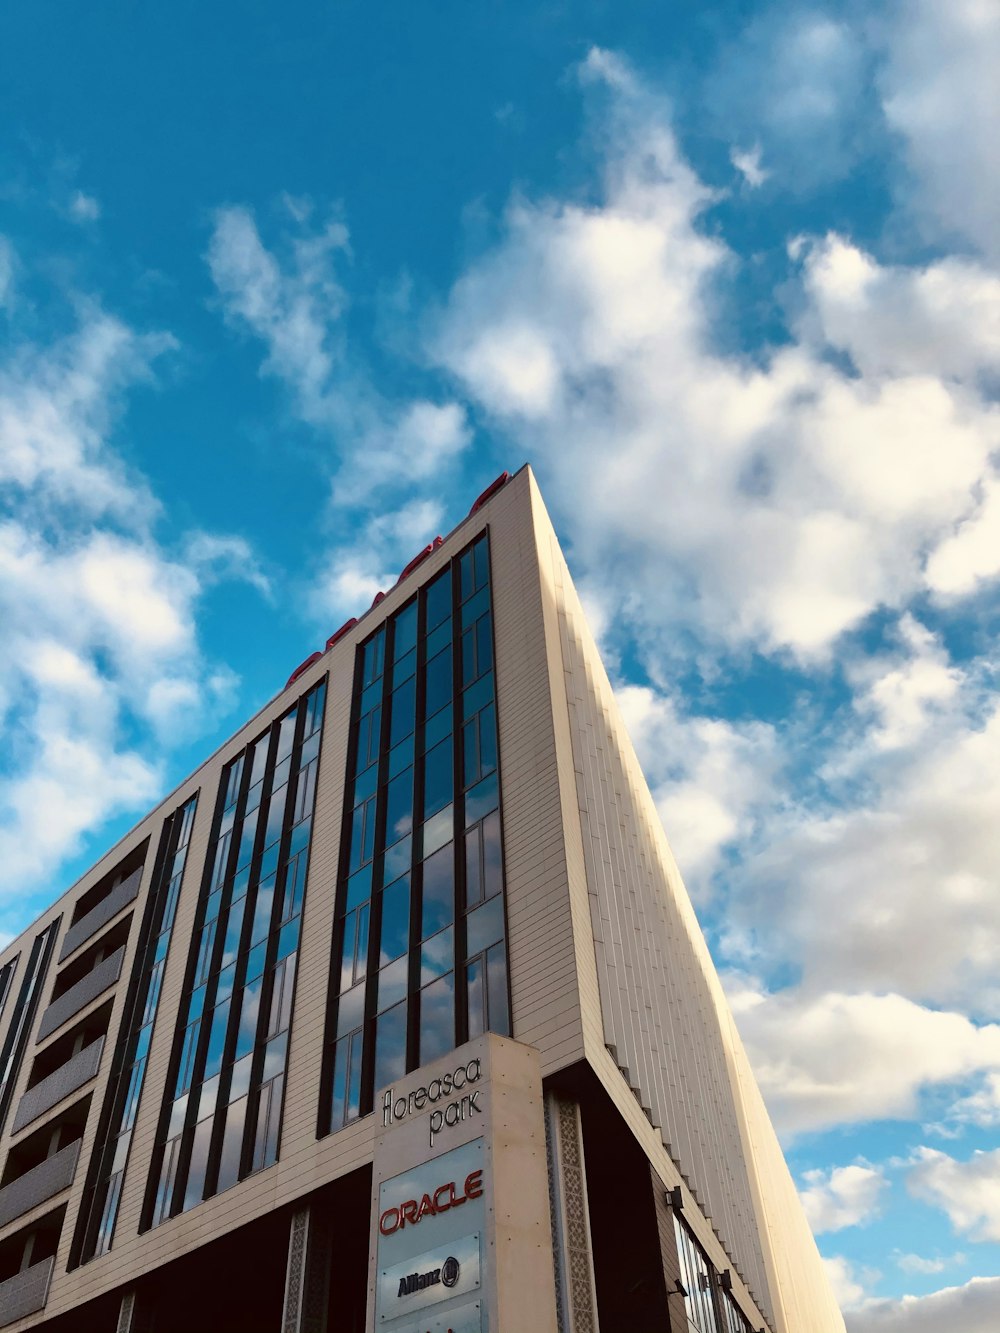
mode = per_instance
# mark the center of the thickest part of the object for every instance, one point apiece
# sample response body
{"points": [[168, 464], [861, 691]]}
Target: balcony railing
{"points": [[40, 1183], [79, 996], [26, 1292], [77, 1071], [88, 925]]}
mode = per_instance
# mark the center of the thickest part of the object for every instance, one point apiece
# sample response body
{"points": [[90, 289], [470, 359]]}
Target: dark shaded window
{"points": [[222, 1118], [99, 1212], [436, 931]]}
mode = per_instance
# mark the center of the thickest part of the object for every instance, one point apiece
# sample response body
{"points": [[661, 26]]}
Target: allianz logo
{"points": [[447, 1276]]}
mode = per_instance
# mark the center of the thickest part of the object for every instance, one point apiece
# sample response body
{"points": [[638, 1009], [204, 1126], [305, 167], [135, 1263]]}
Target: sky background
{"points": [[282, 288]]}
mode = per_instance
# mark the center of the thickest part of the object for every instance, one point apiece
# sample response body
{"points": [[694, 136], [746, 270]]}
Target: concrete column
{"points": [[307, 1277], [571, 1241]]}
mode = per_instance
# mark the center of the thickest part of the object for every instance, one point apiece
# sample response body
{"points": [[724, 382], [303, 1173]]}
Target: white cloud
{"points": [[709, 777], [974, 1308], [84, 207], [969, 1192], [835, 1059], [982, 1107], [915, 1263], [844, 1196], [942, 97], [294, 303], [848, 1285], [903, 698], [748, 164], [796, 80], [942, 320], [57, 407], [352, 574], [774, 505], [6, 272], [100, 667]]}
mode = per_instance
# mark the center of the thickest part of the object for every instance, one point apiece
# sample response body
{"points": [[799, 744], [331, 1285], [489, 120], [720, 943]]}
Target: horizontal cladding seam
{"points": [[705, 1083]]}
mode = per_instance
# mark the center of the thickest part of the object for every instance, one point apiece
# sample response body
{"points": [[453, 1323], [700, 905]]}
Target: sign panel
{"points": [[431, 1222], [452, 1269]]}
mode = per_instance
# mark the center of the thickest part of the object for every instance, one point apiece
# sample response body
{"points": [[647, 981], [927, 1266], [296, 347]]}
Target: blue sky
{"points": [[281, 290]]}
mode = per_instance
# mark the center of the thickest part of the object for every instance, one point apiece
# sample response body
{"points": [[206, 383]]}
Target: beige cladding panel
{"points": [[661, 1012]]}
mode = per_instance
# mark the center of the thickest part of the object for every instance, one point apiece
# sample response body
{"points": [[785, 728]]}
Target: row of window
{"points": [[221, 1120], [419, 960], [709, 1306], [99, 1211]]}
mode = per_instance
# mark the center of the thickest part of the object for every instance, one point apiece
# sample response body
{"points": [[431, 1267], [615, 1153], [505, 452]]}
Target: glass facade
{"points": [[99, 1211], [697, 1278], [419, 951], [16, 1039], [222, 1115]]}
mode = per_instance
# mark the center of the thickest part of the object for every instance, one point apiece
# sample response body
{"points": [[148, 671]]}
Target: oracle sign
{"points": [[430, 1204]]}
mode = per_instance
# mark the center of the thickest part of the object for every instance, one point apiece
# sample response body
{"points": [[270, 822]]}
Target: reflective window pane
{"points": [[438, 599], [437, 955], [390, 1046], [399, 807], [439, 781], [404, 630], [437, 1018], [438, 903], [395, 936], [484, 926]]}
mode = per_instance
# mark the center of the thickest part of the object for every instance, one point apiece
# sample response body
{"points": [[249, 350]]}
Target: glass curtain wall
{"points": [[16, 1039], [696, 1275], [222, 1116], [100, 1210], [419, 951]]}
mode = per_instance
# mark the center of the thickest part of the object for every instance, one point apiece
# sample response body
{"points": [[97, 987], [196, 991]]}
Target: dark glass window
{"points": [[223, 1115], [436, 931]]}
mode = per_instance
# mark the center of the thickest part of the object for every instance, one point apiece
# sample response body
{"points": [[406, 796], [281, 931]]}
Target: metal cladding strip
{"points": [[88, 988], [78, 1070], [120, 896], [656, 977], [26, 1292], [40, 1183]]}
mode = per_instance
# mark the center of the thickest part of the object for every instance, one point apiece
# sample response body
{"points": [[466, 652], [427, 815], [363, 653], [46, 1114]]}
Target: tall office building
{"points": [[395, 1015]]}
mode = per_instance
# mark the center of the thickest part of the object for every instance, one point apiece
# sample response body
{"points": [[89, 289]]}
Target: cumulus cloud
{"points": [[775, 504], [710, 777], [100, 665], [974, 1308], [969, 1191], [916, 1263], [844, 1196], [848, 1285], [836, 1059]]}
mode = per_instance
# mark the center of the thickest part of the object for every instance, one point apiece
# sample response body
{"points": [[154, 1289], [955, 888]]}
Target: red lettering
{"points": [[438, 1193], [443, 1198]]}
